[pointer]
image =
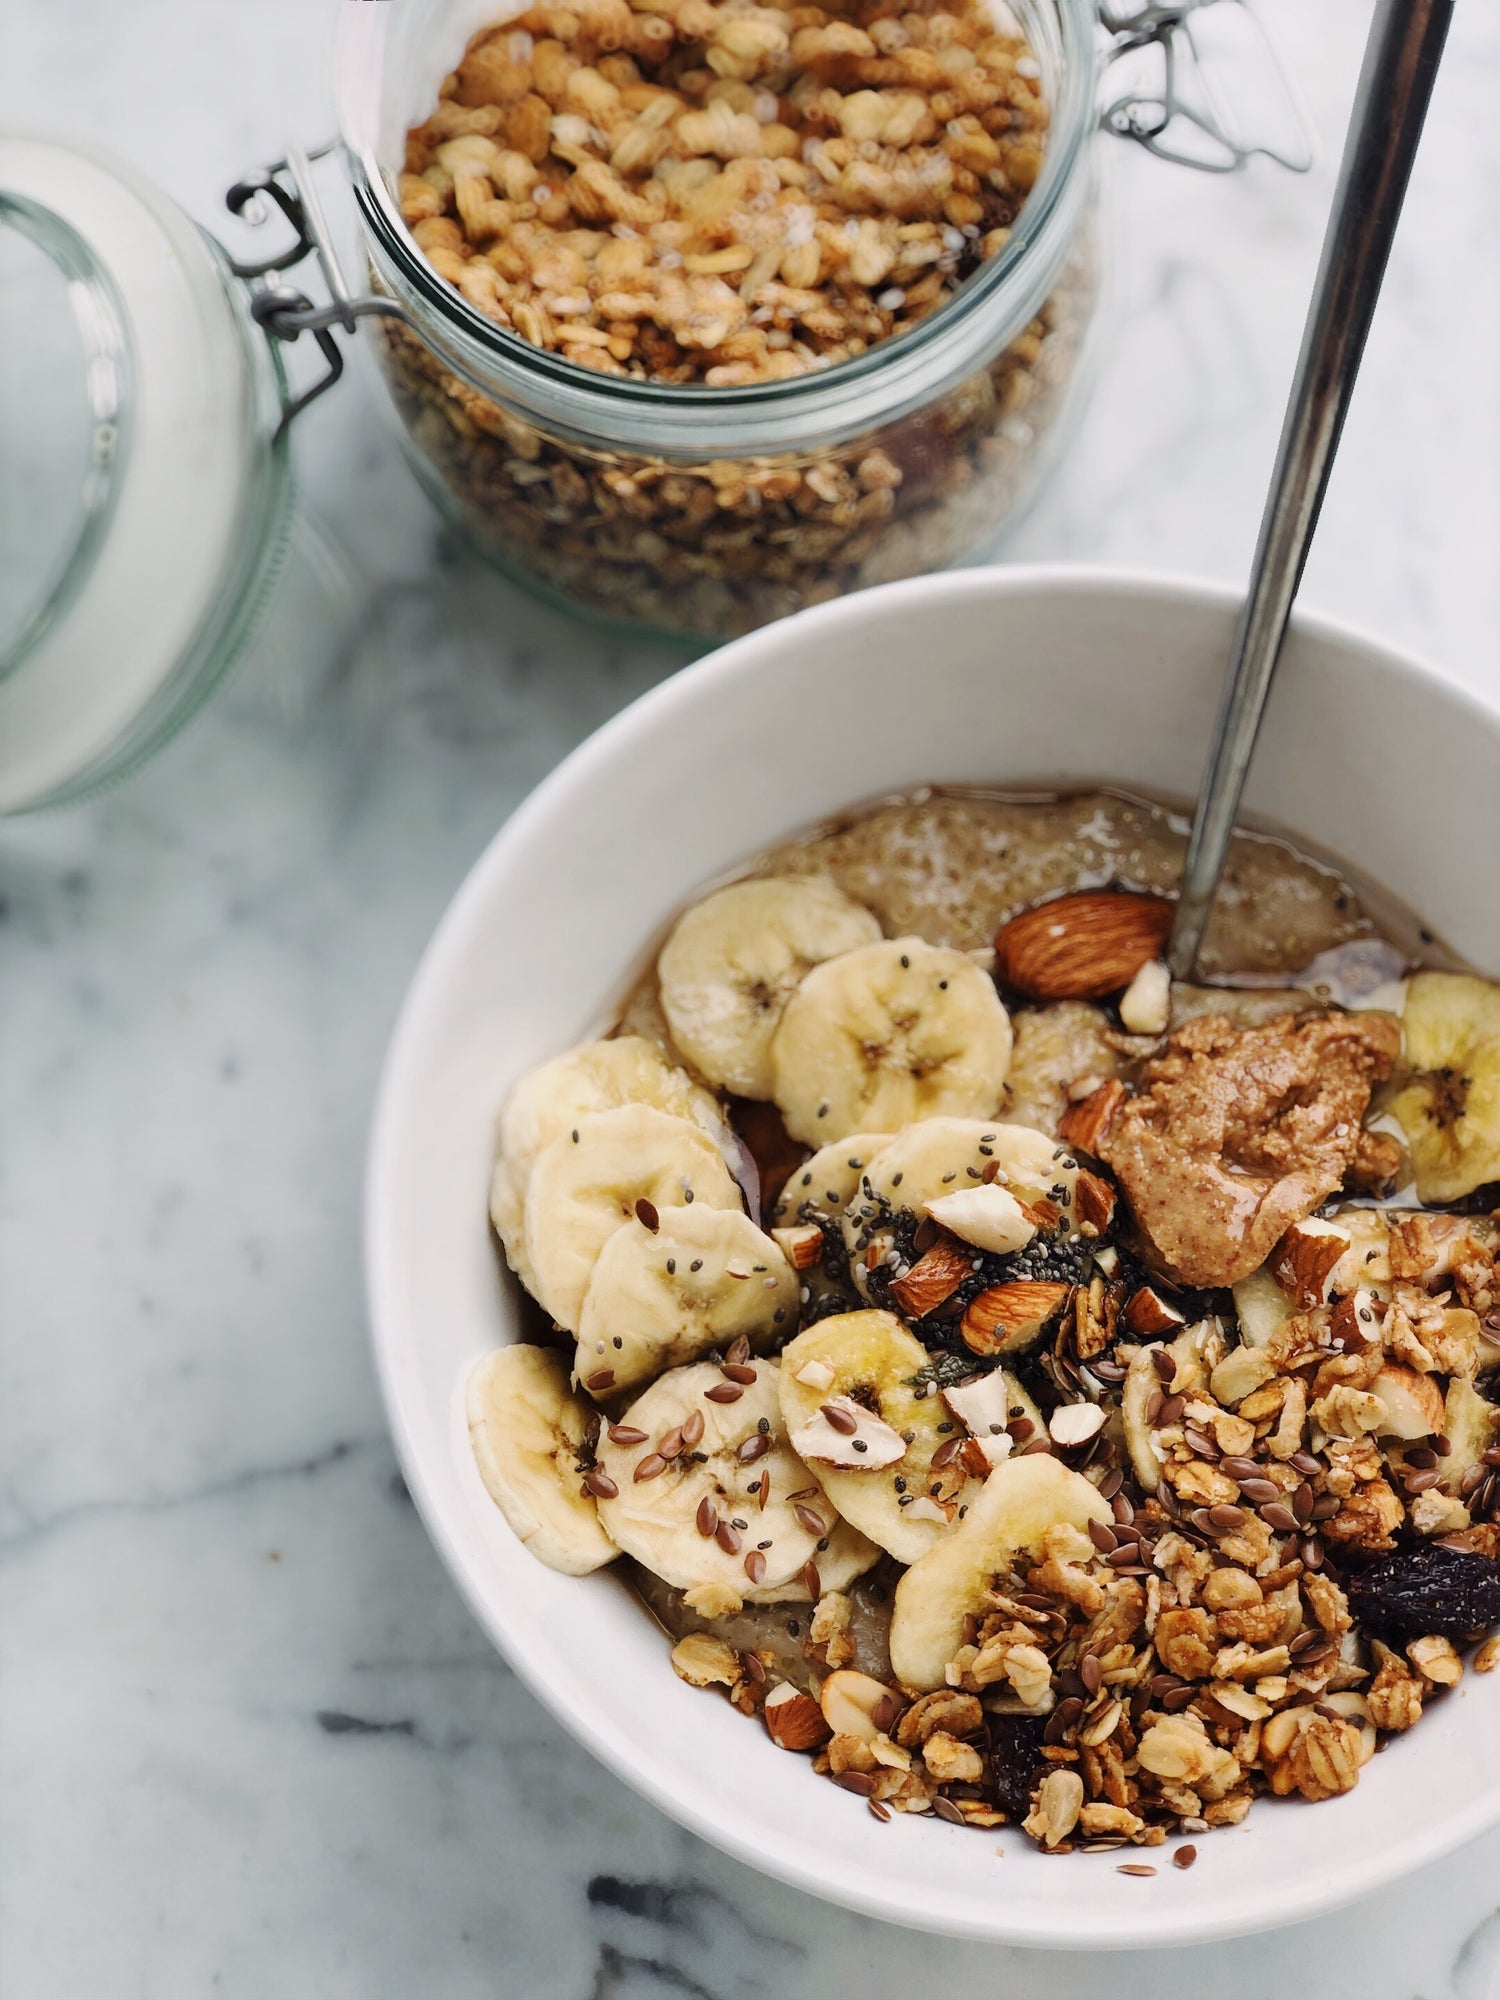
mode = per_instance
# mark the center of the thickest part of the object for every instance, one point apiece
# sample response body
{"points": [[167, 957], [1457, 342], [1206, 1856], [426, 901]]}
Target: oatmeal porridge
{"points": [[1038, 1392]]}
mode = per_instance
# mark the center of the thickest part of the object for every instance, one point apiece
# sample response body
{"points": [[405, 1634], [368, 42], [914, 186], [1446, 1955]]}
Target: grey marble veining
{"points": [[252, 1744]]}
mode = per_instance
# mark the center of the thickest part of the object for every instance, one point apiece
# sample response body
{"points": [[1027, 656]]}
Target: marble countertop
{"points": [[252, 1742]]}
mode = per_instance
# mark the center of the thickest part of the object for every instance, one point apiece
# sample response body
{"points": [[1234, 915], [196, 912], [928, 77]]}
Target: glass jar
{"points": [[146, 512], [704, 510], [147, 497]]}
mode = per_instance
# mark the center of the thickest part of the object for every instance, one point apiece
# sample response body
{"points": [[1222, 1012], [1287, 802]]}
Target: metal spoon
{"points": [[1395, 86]]}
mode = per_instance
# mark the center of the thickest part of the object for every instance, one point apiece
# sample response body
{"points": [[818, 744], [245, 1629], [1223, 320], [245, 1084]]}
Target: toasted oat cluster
{"points": [[722, 192], [955, 1417]]}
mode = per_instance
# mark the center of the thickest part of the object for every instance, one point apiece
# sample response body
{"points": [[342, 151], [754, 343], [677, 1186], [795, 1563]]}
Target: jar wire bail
{"points": [[288, 188]]}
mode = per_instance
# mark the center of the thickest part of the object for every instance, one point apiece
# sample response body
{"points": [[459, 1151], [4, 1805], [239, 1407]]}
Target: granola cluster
{"points": [[725, 193], [728, 194], [991, 1363], [1302, 1482]]}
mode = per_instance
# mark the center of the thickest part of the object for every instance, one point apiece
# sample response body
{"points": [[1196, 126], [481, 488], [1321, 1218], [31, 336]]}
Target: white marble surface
{"points": [[252, 1743]]}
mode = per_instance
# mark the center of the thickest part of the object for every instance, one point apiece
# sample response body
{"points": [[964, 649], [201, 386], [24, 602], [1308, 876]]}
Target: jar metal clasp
{"points": [[288, 188], [1174, 102]]}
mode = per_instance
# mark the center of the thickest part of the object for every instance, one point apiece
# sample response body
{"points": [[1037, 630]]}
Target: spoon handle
{"points": [[1395, 86]]}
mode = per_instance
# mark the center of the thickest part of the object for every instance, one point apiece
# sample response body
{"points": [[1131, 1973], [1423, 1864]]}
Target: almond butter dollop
{"points": [[1237, 1133]]}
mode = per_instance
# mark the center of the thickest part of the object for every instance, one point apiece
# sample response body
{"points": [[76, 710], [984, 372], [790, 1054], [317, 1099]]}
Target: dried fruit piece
{"points": [[1428, 1589], [1082, 947], [1016, 1760]]}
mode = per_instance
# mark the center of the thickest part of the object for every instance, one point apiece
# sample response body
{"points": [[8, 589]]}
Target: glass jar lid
{"points": [[143, 488]]}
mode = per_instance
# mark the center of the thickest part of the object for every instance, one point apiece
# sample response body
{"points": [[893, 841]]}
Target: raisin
{"points": [[1016, 1760], [1428, 1589]]}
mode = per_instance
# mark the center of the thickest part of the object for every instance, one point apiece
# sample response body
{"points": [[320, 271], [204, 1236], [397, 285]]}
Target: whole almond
{"points": [[1082, 947]]}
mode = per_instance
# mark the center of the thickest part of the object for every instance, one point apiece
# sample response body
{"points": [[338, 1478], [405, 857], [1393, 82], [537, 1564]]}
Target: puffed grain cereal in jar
{"points": [[711, 310]]}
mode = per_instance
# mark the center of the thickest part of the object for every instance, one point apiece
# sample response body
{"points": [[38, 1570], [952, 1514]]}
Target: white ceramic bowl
{"points": [[1002, 677]]}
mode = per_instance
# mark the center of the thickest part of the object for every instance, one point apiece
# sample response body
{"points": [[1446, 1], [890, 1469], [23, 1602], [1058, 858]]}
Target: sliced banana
{"points": [[888, 1034], [846, 1558], [1469, 1427], [822, 1187], [658, 1298], [828, 1181], [550, 1100], [870, 1358], [508, 1214], [527, 1429], [1019, 1502], [735, 959], [1262, 1307], [692, 1512], [1141, 1379], [1194, 1353], [597, 1076], [937, 1157], [1449, 1106], [586, 1184]]}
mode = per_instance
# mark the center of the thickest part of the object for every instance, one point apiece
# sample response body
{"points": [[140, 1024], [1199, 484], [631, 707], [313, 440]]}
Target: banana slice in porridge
{"points": [[735, 959], [707, 1489], [886, 1035], [882, 1442], [528, 1430], [672, 1283], [929, 1163], [549, 1101], [587, 1184], [1021, 1504], [1449, 1103]]}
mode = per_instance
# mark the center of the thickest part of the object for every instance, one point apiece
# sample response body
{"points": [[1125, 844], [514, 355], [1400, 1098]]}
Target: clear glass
{"points": [[60, 404], [709, 511], [70, 431]]}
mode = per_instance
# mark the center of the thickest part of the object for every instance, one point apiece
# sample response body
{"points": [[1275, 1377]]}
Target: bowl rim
{"points": [[1297, 1901]]}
